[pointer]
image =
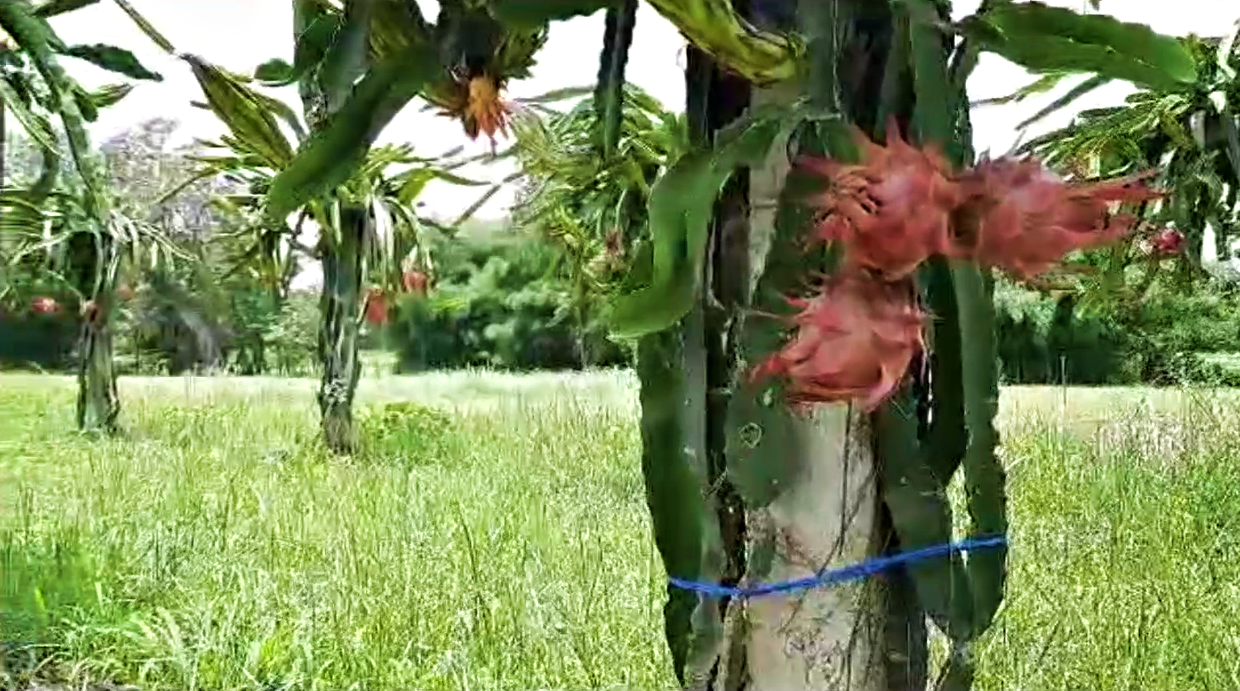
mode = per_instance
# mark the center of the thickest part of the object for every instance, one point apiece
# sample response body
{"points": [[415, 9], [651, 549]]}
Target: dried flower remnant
{"points": [[90, 311], [1024, 219], [854, 340], [610, 259], [891, 211], [479, 106], [613, 243]]}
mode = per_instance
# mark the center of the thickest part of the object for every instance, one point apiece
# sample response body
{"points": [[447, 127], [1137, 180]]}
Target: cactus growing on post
{"points": [[769, 455], [744, 486]]}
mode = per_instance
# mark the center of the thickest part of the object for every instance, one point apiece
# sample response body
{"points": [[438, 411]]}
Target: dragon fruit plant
{"points": [[815, 342], [815, 326]]}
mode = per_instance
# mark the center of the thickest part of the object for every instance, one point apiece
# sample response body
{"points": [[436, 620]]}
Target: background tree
{"points": [[367, 229], [96, 239], [370, 225]]}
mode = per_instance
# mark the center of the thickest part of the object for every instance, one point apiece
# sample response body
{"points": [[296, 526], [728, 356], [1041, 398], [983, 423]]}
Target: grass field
{"points": [[504, 543]]}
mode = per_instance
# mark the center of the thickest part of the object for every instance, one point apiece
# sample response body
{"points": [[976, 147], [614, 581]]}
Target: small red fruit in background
{"points": [[376, 306], [45, 305], [1169, 241], [416, 281]]}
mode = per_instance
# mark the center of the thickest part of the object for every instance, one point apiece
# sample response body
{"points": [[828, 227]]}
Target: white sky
{"points": [[240, 34]]}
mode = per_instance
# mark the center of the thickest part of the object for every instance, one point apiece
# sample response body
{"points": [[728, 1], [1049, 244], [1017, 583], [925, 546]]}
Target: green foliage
{"points": [[686, 530], [1129, 491], [966, 596], [199, 320], [51, 8], [715, 26], [34, 36], [1164, 339], [331, 155], [1048, 39], [292, 337], [1186, 133], [504, 535], [398, 57], [99, 240], [922, 516], [257, 152], [1045, 340], [112, 59], [249, 117], [409, 433], [609, 90], [498, 304]]}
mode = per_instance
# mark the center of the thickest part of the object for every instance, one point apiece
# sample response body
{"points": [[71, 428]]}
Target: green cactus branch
{"points": [[762, 57], [609, 91]]}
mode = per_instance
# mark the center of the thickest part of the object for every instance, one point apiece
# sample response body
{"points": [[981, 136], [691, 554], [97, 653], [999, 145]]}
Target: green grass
{"points": [[503, 543]]}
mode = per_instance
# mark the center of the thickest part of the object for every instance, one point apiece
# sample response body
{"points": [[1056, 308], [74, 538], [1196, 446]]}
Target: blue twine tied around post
{"points": [[852, 572]]}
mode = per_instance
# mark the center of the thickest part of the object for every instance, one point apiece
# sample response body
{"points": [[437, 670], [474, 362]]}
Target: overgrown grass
{"points": [[218, 549], [1126, 521], [495, 537]]}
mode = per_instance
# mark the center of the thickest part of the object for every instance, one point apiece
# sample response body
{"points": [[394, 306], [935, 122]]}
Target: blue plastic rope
{"points": [[846, 573]]}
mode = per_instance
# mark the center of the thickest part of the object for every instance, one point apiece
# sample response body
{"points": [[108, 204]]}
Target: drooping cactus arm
{"points": [[716, 27]]}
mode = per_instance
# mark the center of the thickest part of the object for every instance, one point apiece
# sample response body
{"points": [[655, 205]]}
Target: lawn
{"points": [[497, 539]]}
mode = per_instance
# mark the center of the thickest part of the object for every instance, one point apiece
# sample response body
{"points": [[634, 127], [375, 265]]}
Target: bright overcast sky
{"points": [[239, 34]]}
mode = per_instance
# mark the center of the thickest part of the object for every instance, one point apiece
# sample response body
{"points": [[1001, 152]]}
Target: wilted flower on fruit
{"points": [[610, 259], [613, 243], [476, 101], [854, 340], [416, 281], [44, 305], [376, 306], [1168, 241], [1021, 217], [891, 211]]}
